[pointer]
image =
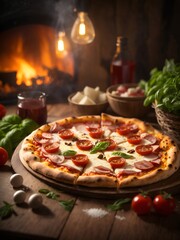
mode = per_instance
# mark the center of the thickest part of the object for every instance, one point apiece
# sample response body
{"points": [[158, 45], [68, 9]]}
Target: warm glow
{"points": [[82, 29], [31, 53]]}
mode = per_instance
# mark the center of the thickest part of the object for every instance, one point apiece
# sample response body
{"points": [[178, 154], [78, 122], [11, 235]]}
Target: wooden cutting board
{"points": [[171, 184]]}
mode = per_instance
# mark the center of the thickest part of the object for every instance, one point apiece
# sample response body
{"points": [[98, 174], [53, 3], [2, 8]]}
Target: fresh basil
{"points": [[68, 204], [6, 210], [117, 205], [122, 154], [69, 153], [100, 146]]}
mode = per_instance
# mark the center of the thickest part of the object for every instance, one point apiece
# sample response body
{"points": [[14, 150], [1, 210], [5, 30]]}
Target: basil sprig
{"points": [[66, 204], [117, 205], [122, 154], [6, 210], [100, 146]]}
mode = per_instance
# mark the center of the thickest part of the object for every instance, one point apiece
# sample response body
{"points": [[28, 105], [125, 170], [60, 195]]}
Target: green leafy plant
{"points": [[163, 87], [6, 210], [117, 205]]}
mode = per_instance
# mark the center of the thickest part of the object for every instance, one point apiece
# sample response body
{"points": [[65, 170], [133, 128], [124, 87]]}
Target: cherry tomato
{"points": [[3, 156], [116, 162], [80, 160], [127, 129], [66, 134], [84, 144], [2, 111], [144, 149], [95, 132], [134, 139], [164, 204], [52, 148], [141, 204], [112, 144]]}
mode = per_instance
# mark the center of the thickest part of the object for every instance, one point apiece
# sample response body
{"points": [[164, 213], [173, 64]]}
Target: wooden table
{"points": [[53, 222]]}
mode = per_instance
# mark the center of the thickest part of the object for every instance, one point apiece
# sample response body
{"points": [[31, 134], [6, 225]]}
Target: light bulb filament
{"points": [[82, 29], [60, 45]]}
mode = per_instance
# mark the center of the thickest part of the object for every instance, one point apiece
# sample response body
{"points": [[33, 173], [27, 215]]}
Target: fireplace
{"points": [[29, 58]]}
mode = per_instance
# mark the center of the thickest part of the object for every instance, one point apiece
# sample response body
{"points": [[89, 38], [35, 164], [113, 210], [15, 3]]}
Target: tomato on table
{"points": [[84, 144], [80, 160], [66, 134], [95, 132], [164, 204], [141, 204], [117, 162], [2, 111], [3, 156], [144, 149], [52, 148]]}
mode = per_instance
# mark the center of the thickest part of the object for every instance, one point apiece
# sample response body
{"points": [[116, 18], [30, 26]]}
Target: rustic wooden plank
{"points": [[82, 226]]}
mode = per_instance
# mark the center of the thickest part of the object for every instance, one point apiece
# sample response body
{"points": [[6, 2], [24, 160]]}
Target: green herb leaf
{"points": [[44, 191], [117, 205], [123, 155], [6, 210], [100, 146], [69, 153], [67, 204]]}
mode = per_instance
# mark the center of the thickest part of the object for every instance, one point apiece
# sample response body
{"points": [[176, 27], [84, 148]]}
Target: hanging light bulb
{"points": [[61, 44], [83, 31]]}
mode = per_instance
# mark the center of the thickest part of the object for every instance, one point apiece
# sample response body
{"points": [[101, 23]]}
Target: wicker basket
{"points": [[169, 123]]}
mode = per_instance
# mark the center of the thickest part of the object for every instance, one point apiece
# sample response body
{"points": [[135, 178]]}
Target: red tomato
{"points": [[84, 144], [127, 129], [2, 111], [95, 132], [117, 162], [141, 204], [66, 134], [80, 160], [3, 156], [112, 144], [144, 149], [52, 148], [164, 204], [134, 139]]}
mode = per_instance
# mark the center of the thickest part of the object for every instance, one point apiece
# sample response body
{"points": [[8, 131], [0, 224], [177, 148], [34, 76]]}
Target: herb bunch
{"points": [[163, 87]]}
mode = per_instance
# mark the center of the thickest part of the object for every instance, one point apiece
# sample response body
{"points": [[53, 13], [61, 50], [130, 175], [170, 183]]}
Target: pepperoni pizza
{"points": [[100, 151]]}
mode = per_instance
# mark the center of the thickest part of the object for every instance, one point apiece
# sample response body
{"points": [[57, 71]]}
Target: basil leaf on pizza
{"points": [[69, 153], [100, 146], [123, 155]]}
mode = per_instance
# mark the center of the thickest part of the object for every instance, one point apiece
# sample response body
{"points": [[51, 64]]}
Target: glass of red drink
{"points": [[32, 104]]}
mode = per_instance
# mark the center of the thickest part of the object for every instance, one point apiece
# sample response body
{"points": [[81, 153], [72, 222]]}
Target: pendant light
{"points": [[82, 31]]}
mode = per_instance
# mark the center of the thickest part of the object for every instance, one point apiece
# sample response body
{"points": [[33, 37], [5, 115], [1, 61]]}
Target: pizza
{"points": [[100, 151]]}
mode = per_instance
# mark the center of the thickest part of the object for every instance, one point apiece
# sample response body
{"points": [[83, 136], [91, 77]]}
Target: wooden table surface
{"points": [[53, 222]]}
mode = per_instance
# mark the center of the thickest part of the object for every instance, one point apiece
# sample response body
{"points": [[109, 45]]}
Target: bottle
{"points": [[122, 69]]}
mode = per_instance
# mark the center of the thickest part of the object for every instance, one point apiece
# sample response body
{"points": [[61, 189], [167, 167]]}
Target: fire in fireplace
{"points": [[29, 57]]}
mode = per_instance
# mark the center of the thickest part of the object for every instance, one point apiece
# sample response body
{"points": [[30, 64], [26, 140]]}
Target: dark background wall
{"points": [[152, 28]]}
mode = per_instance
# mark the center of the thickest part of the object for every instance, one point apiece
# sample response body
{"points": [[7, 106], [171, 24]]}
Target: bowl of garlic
{"points": [[89, 101]]}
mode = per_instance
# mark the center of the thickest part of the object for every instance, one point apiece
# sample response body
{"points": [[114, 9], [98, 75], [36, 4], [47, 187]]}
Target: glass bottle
{"points": [[122, 69]]}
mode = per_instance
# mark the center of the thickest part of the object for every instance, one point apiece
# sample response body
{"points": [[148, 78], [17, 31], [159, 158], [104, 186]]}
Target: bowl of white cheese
{"points": [[89, 101]]}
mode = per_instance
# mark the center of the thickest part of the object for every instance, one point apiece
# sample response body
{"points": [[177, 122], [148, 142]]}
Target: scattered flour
{"points": [[121, 218], [95, 212]]}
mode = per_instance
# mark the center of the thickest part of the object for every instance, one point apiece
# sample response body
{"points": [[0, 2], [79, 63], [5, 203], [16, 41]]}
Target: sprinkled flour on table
{"points": [[95, 212], [121, 218]]}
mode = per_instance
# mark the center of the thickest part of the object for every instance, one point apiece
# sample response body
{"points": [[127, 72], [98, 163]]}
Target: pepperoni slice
{"points": [[117, 162], [144, 165], [144, 149], [80, 160], [66, 134], [149, 137], [134, 139], [126, 129], [84, 144], [95, 132]]}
